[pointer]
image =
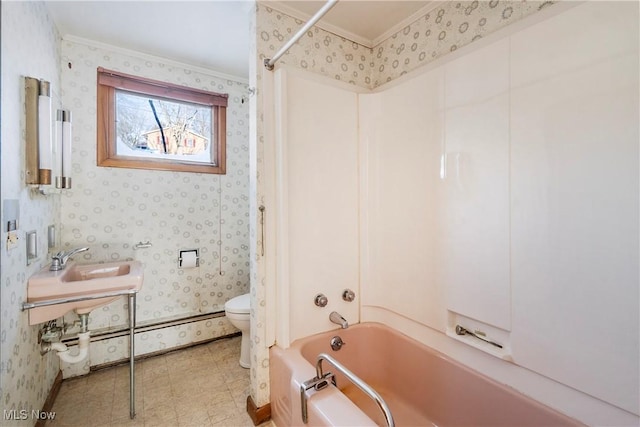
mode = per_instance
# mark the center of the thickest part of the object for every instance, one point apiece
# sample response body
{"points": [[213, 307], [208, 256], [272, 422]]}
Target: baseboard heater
{"points": [[107, 334]]}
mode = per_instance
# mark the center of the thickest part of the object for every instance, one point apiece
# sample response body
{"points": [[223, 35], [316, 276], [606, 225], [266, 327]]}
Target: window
{"points": [[147, 124]]}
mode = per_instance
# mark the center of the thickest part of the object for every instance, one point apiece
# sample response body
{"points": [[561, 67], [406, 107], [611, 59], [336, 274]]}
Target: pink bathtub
{"points": [[421, 386]]}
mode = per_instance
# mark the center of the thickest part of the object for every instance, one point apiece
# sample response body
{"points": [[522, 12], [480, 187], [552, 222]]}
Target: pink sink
{"points": [[80, 280]]}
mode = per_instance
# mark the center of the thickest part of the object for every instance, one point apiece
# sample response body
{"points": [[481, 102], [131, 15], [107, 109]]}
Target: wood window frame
{"points": [[109, 81]]}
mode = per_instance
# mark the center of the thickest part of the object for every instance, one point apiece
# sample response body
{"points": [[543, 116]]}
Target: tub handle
{"points": [[320, 381], [316, 383]]}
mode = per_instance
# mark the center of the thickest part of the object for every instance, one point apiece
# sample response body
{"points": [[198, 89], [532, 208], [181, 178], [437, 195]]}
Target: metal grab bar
{"points": [[320, 381]]}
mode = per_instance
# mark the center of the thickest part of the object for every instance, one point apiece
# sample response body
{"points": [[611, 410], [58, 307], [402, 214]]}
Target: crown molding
{"points": [[334, 29], [149, 57], [339, 31]]}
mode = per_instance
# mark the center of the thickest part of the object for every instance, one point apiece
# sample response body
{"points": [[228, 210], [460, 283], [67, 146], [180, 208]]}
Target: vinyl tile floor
{"points": [[199, 386]]}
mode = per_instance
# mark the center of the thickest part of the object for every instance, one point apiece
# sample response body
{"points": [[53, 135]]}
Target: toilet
{"points": [[237, 311]]}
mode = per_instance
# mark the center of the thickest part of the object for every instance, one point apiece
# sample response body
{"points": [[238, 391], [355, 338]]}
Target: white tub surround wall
{"points": [[532, 171], [30, 47], [317, 192], [498, 190], [447, 27], [112, 209]]}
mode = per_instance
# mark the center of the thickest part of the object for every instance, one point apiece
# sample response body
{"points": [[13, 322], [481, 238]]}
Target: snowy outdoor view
{"points": [[153, 127]]}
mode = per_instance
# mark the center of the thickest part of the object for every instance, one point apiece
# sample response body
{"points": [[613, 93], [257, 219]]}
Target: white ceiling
{"points": [[365, 21], [214, 34], [210, 34]]}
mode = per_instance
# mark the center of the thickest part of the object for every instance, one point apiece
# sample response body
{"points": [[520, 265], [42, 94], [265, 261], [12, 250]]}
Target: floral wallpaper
{"points": [[25, 376], [447, 27], [109, 210], [318, 51], [444, 29]]}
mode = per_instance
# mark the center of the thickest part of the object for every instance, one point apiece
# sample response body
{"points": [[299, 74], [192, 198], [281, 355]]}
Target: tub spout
{"points": [[336, 318]]}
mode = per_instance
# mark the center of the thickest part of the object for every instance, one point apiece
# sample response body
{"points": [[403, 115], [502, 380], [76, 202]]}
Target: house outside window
{"points": [[155, 125]]}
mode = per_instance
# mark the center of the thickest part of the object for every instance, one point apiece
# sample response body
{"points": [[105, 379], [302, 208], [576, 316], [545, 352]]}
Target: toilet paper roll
{"points": [[189, 259]]}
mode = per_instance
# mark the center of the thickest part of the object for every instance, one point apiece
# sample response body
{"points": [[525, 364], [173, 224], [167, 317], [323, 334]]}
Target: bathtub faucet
{"points": [[336, 318]]}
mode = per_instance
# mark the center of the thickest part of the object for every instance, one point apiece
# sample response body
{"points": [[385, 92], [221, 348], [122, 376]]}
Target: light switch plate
{"points": [[10, 214]]}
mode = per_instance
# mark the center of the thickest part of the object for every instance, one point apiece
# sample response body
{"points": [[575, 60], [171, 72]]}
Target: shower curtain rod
{"points": [[268, 63]]}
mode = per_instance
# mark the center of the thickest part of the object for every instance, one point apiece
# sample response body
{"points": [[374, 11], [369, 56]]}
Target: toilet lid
{"points": [[239, 304]]}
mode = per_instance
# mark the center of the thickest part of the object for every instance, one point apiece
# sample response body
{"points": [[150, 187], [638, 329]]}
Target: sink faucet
{"points": [[59, 260], [336, 318]]}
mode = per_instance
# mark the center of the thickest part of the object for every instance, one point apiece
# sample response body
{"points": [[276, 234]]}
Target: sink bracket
{"points": [[132, 353], [45, 303], [131, 293]]}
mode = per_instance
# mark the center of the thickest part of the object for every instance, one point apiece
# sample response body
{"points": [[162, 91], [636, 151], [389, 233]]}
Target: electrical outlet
{"points": [[12, 240]]}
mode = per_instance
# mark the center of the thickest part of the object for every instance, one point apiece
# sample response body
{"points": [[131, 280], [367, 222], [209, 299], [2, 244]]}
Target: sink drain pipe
{"points": [[83, 344], [65, 353]]}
